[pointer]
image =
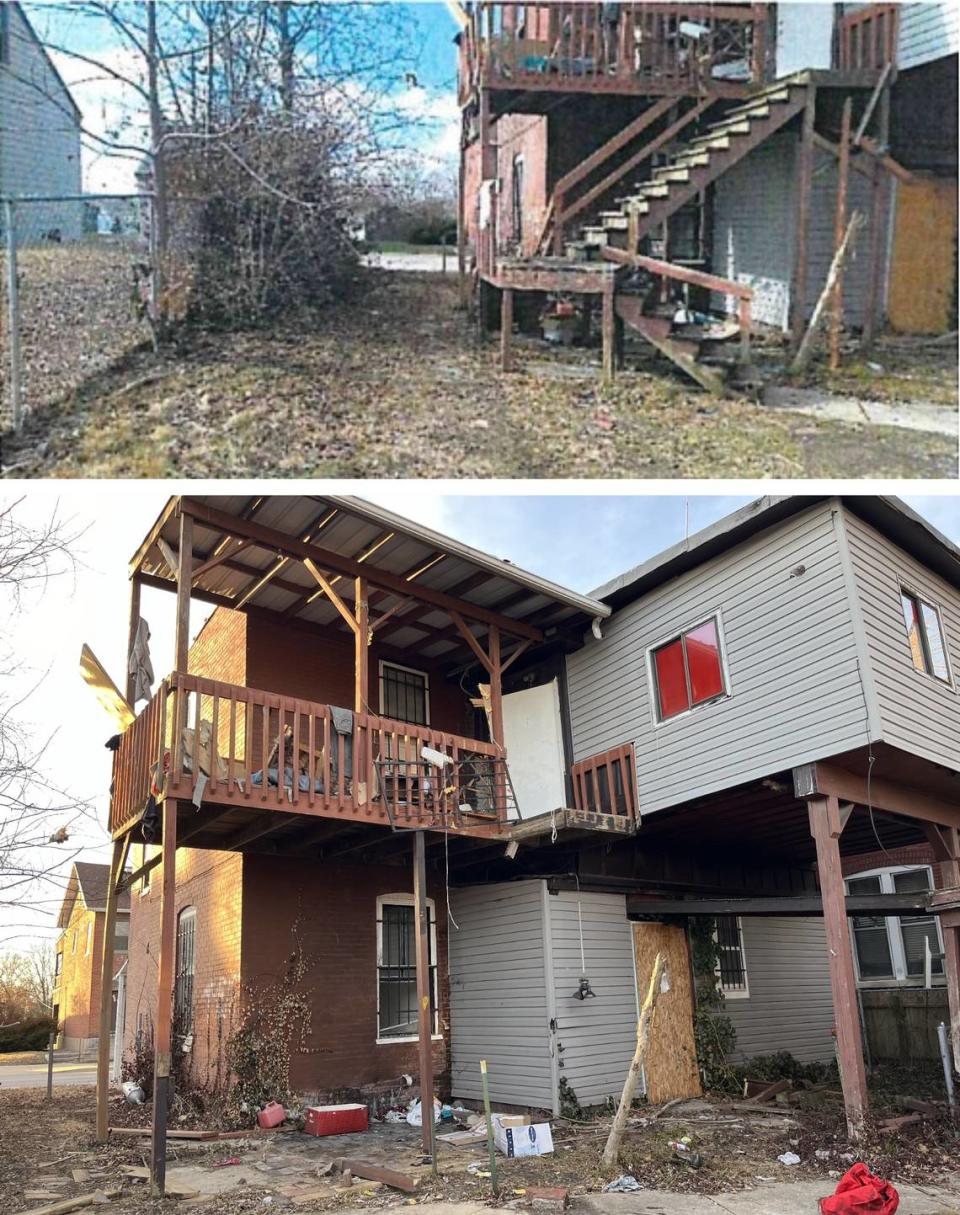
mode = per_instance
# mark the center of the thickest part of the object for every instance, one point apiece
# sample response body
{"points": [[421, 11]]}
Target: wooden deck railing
{"points": [[867, 38], [605, 48], [607, 783], [263, 750]]}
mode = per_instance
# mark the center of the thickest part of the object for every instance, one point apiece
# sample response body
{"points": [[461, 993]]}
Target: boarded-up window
{"points": [[928, 647], [688, 670], [397, 967], [183, 983]]}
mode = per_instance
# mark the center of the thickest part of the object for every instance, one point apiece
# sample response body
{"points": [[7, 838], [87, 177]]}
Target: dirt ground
{"points": [[41, 1146], [395, 385]]}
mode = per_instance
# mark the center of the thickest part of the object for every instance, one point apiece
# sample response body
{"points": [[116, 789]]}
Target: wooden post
{"points": [[462, 282], [746, 323], [132, 632], [949, 850], [106, 990], [425, 1016], [361, 695], [496, 688], [880, 201], [825, 827], [506, 329], [608, 329], [839, 229], [184, 573], [798, 291], [559, 202], [163, 1027]]}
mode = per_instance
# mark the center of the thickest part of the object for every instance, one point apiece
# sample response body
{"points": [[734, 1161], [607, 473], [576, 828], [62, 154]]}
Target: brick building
{"points": [[76, 992]]}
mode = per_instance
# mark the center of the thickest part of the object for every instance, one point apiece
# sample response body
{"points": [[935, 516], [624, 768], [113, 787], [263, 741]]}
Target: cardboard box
{"points": [[513, 1119], [530, 1140]]}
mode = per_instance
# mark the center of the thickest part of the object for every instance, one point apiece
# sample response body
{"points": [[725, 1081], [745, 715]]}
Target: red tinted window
{"points": [[703, 662], [671, 679], [688, 670]]}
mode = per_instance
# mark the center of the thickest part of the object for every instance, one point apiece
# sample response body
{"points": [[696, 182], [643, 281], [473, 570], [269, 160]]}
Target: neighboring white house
{"points": [[39, 131]]}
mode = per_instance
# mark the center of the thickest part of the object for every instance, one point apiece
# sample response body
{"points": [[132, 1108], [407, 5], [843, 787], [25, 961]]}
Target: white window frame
{"points": [[405, 899], [905, 587], [145, 880], [396, 666], [735, 993], [898, 956], [675, 635], [89, 946]]}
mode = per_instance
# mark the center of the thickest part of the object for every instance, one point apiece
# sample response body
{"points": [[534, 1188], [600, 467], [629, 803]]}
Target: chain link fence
{"points": [[76, 284]]}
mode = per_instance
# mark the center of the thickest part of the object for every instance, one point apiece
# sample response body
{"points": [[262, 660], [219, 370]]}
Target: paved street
{"points": [[34, 1075]]}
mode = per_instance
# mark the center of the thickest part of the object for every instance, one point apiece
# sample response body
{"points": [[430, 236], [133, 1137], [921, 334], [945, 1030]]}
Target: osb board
{"points": [[924, 262], [671, 1062]]}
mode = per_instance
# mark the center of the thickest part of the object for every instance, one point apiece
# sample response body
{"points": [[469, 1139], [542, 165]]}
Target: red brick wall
{"points": [[219, 650], [911, 854], [522, 135], [336, 907], [77, 995]]}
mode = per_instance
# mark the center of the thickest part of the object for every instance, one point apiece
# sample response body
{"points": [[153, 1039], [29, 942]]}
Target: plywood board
{"points": [[671, 1063], [924, 261]]}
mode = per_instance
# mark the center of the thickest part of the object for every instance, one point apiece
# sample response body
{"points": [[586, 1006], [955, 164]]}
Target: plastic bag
{"points": [[415, 1117], [859, 1192]]}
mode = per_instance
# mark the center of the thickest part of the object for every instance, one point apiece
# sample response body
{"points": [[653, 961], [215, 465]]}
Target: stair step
{"points": [[712, 142], [739, 126], [652, 189], [671, 173], [692, 160], [614, 219], [594, 237], [759, 111], [772, 98]]}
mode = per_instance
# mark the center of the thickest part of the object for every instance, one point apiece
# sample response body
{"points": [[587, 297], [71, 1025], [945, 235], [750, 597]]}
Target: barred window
{"points": [[183, 983], [397, 967], [732, 966], [404, 694]]}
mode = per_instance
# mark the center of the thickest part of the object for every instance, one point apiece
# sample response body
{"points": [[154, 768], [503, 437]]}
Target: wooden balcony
{"points": [[634, 48], [867, 38], [606, 783], [278, 753]]}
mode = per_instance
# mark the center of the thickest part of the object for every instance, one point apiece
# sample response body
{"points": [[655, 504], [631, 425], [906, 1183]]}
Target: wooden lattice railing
{"points": [[867, 38], [607, 783]]}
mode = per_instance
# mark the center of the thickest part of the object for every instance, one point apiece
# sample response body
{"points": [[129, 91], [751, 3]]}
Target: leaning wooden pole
{"points": [[840, 227], [612, 1149], [424, 1010], [163, 1026], [806, 346], [106, 991]]}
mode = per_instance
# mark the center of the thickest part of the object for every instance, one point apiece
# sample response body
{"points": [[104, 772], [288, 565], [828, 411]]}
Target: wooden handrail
{"points": [[606, 783], [683, 274]]}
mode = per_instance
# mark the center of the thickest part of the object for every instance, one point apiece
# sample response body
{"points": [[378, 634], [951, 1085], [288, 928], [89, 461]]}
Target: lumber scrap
{"points": [[892, 1125], [769, 1091], [846, 245], [656, 330], [376, 1172], [66, 1205]]}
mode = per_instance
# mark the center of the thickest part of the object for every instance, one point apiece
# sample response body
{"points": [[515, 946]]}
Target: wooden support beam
{"points": [[226, 553], [825, 829], [682, 274], [482, 657], [496, 690], [880, 200], [825, 779], [361, 691], [424, 1010], [184, 582], [135, 587], [163, 1022], [798, 286], [506, 329], [327, 587], [120, 847], [807, 905], [946, 847], [871, 105], [839, 231], [608, 329]]}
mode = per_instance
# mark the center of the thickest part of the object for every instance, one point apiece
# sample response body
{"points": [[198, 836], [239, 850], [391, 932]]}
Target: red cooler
{"points": [[336, 1119]]}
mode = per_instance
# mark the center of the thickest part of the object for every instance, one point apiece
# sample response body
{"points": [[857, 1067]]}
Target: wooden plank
{"points": [[629, 308], [361, 692], [798, 286], [424, 1014], [682, 274], [839, 232], [880, 200], [164, 1010], [184, 582], [671, 1062], [376, 1172], [823, 812], [106, 990], [506, 329]]}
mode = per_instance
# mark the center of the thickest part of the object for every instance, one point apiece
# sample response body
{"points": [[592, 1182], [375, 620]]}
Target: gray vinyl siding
{"points": [[754, 216], [498, 994], [795, 693], [918, 713], [595, 1037], [39, 135], [789, 1006], [928, 31]]}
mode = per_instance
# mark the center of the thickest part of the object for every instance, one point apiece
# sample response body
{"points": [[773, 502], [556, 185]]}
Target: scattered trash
{"points": [[477, 1170], [222, 1164], [823, 1153], [396, 1115], [415, 1114], [336, 1119], [859, 1192], [789, 1158], [624, 1184], [524, 1140], [133, 1093], [272, 1114]]}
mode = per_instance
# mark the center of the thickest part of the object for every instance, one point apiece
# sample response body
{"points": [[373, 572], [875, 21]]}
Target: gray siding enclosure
{"points": [[514, 966], [39, 130], [795, 692], [595, 1038], [754, 232], [789, 1006], [927, 32], [498, 995], [918, 713]]}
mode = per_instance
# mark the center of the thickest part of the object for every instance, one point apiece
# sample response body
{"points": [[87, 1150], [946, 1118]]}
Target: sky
{"points": [[579, 541], [105, 103]]}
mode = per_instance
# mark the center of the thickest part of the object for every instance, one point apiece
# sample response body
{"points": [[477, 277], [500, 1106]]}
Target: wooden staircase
{"points": [[694, 165]]}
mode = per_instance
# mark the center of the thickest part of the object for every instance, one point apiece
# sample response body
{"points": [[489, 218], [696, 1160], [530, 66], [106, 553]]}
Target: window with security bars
{"points": [[894, 948], [928, 646], [731, 963], [183, 981], [404, 694], [397, 968]]}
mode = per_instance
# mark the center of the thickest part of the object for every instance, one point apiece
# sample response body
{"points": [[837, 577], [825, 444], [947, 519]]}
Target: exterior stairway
{"points": [[694, 165]]}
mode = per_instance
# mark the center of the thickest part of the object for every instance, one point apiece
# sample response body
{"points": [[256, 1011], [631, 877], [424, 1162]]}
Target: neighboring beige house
{"points": [[39, 128]]}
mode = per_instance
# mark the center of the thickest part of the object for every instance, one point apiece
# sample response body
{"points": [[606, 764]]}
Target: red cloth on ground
{"points": [[859, 1192]]}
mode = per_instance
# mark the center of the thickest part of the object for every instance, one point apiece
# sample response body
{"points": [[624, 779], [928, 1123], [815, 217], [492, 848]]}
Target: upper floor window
{"points": [[58, 964], [928, 646], [688, 670], [121, 936], [895, 948], [404, 694], [89, 938], [732, 964]]}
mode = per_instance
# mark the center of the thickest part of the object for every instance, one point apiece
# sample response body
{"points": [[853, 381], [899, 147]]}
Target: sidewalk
{"points": [[788, 1198]]}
